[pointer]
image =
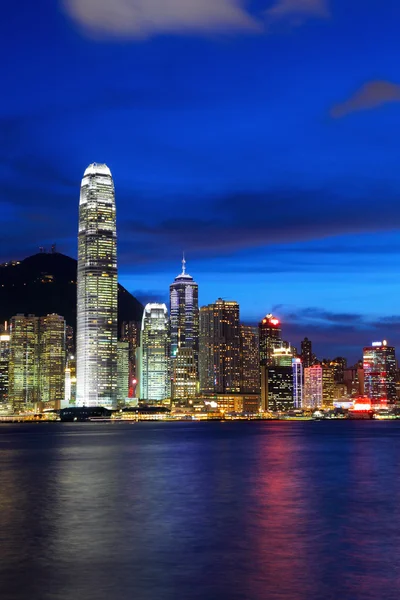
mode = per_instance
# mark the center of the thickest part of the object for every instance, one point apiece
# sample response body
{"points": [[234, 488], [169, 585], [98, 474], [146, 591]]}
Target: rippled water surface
{"points": [[208, 511]]}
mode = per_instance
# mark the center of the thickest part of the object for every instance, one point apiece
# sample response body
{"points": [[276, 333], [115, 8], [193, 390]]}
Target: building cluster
{"points": [[183, 355]]}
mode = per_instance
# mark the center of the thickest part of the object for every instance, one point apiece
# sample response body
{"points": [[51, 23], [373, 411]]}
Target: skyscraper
{"points": [[219, 357], [97, 290], [270, 335], [297, 367], [282, 356], [122, 371], [52, 361], [328, 385], [306, 353], [249, 360], [4, 360], [379, 363], [313, 397], [154, 353], [23, 372], [184, 314], [277, 388], [184, 380]]}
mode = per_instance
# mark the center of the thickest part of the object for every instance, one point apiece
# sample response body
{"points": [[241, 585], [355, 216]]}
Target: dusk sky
{"points": [[260, 137]]}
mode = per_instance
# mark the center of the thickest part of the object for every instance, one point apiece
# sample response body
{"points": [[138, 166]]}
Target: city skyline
{"points": [[208, 154]]}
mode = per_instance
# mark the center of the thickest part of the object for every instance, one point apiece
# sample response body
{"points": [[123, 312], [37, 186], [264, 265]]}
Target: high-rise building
{"points": [[312, 394], [97, 289], [122, 371], [154, 353], [184, 330], [306, 353], [379, 362], [249, 360], [130, 332], [328, 385], [184, 376], [219, 356], [4, 360], [23, 384], [353, 378], [297, 367], [270, 337], [52, 361], [277, 388]]}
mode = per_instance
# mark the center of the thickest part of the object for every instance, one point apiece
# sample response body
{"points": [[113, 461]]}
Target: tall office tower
{"points": [[282, 357], [249, 360], [312, 394], [23, 374], [4, 360], [184, 376], [353, 378], [154, 353], [122, 371], [270, 336], [306, 353], [219, 356], [379, 362], [130, 332], [277, 388], [69, 340], [339, 365], [97, 290], [184, 314], [52, 361], [328, 385], [297, 367]]}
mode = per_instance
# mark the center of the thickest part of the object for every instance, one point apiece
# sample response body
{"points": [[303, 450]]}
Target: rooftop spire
{"points": [[183, 264]]}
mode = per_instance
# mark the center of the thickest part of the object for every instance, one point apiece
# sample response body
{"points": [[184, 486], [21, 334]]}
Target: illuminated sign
{"points": [[362, 406], [274, 321], [375, 344]]}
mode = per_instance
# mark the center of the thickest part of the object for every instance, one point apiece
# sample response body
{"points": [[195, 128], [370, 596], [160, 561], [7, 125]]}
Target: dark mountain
{"points": [[46, 283]]}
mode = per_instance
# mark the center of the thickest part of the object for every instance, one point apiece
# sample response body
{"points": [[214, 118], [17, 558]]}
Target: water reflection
{"points": [[204, 511]]}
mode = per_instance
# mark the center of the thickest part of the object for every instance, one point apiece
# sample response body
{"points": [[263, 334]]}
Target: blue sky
{"points": [[260, 137]]}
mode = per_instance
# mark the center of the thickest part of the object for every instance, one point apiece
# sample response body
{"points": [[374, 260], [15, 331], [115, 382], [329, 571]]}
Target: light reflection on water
{"points": [[205, 511]]}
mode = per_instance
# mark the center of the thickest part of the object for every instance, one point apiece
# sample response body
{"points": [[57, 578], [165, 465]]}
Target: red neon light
{"points": [[274, 321]]}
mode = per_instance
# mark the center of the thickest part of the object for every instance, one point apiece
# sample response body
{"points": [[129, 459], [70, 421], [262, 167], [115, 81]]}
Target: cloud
{"points": [[371, 95], [296, 11], [144, 18]]}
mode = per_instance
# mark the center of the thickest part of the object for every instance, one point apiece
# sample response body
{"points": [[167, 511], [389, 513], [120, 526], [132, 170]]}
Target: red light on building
{"points": [[360, 406], [274, 322]]}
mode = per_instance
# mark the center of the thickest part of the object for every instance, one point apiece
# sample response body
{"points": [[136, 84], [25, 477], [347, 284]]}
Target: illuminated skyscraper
{"points": [[249, 360], [97, 290], [380, 372], [277, 388], [4, 360], [184, 380], [297, 367], [23, 372], [270, 335], [122, 371], [154, 353], [328, 385], [219, 357], [184, 314], [282, 356], [52, 361], [313, 387]]}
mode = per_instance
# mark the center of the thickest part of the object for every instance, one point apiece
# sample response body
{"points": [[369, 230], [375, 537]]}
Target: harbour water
{"points": [[168, 511]]}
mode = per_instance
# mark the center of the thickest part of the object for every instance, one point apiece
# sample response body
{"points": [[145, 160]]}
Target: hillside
{"points": [[46, 283]]}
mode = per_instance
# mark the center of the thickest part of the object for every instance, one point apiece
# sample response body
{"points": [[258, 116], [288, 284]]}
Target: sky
{"points": [[261, 138]]}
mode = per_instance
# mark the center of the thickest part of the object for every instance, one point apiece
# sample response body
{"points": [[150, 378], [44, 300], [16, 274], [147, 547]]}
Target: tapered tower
{"points": [[97, 309]]}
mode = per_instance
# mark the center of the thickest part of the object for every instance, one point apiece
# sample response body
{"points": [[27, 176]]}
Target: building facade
{"points": [[184, 376], [277, 388], [379, 362], [219, 355], [97, 288], [297, 367], [122, 371], [313, 395], [270, 337], [52, 360], [23, 374], [249, 360], [307, 357], [155, 354], [4, 361]]}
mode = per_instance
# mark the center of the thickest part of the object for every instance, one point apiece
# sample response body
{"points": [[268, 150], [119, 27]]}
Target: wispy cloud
{"points": [[371, 95], [297, 11], [145, 18]]}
